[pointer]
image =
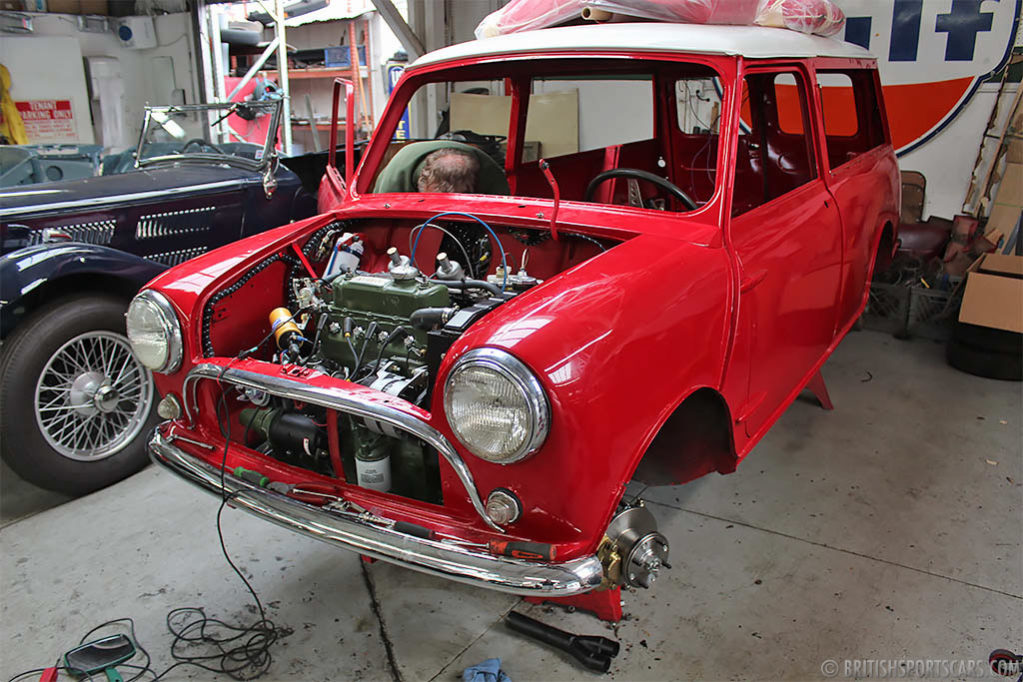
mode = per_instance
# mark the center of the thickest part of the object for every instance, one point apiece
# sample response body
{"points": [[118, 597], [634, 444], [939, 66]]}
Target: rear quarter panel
{"points": [[866, 190]]}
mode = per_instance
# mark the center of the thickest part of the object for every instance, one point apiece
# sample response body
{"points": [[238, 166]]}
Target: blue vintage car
{"points": [[76, 403]]}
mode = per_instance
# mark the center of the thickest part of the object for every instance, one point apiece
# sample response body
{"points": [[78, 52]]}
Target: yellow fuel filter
{"points": [[283, 327]]}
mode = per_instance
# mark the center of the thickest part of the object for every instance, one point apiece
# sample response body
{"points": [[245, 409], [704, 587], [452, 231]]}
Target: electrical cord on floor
{"points": [[36, 671], [241, 652]]}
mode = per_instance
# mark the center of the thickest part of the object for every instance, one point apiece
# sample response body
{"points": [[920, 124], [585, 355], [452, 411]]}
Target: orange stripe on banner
{"points": [[913, 109]]}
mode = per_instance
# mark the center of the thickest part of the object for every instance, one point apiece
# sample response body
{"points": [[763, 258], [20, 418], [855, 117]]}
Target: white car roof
{"points": [[753, 42]]}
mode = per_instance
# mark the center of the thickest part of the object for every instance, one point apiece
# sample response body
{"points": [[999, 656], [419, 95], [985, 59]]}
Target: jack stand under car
{"points": [[604, 604]]}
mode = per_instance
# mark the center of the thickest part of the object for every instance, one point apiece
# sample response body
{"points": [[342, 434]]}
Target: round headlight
{"points": [[154, 332], [495, 406]]}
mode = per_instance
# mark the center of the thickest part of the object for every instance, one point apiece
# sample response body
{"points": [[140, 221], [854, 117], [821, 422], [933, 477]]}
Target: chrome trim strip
{"points": [[337, 400], [120, 198], [444, 560]]}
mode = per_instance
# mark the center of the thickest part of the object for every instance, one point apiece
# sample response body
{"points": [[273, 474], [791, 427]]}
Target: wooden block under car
{"points": [[994, 293], [64, 7], [94, 7]]}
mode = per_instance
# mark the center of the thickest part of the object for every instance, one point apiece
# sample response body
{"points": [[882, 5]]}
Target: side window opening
{"points": [[775, 148], [852, 120], [614, 132], [698, 112]]}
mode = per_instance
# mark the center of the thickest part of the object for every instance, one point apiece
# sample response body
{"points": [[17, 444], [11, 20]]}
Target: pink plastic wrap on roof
{"points": [[820, 17]]}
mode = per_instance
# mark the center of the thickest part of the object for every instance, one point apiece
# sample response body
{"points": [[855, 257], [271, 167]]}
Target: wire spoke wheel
{"points": [[93, 397]]}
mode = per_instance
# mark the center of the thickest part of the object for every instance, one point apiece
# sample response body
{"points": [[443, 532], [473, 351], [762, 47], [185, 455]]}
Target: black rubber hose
{"points": [[371, 331], [472, 284], [430, 318]]}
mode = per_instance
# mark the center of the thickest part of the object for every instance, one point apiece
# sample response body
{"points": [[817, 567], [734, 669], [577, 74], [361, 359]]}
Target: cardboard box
{"points": [[1008, 200], [1014, 154], [994, 293], [1002, 264]]}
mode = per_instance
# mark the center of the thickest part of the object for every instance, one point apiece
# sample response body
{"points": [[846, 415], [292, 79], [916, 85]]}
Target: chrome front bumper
{"points": [[427, 556]]}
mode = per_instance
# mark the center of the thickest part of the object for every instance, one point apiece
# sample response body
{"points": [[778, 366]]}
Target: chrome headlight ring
{"points": [[502, 366], [163, 322]]}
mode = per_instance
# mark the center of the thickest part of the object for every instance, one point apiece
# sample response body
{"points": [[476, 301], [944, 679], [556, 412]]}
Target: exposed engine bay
{"points": [[355, 307], [347, 302]]}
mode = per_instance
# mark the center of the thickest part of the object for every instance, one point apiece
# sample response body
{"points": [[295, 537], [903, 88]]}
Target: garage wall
{"points": [[150, 75], [34, 79]]}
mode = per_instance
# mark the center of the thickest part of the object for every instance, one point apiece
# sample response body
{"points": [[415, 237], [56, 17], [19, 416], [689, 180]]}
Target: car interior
{"points": [[665, 155]]}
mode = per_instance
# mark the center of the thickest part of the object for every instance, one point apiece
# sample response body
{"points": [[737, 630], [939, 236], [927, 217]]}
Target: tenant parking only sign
{"points": [[48, 120]]}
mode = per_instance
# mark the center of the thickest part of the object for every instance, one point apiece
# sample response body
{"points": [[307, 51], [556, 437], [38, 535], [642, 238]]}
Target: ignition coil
{"points": [[287, 334]]}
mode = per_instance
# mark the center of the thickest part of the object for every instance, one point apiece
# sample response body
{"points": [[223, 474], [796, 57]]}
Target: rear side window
{"points": [[852, 118]]}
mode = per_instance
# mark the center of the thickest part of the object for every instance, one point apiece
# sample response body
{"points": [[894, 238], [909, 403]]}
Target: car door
{"points": [[787, 236], [861, 171]]}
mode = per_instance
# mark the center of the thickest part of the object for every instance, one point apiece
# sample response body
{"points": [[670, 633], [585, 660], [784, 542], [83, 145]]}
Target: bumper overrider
{"points": [[446, 560]]}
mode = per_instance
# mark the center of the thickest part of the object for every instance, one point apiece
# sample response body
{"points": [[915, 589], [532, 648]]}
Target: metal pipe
{"points": [[282, 73], [217, 56], [254, 69]]}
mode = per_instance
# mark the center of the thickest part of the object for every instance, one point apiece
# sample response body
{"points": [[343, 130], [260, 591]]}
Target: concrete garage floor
{"points": [[887, 529]]}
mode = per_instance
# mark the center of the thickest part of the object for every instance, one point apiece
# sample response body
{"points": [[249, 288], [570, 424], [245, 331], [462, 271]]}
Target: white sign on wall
{"points": [[47, 120]]}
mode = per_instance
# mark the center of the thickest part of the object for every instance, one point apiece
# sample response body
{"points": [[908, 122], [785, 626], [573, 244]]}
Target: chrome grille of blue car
{"points": [[172, 223], [177, 257], [94, 232]]}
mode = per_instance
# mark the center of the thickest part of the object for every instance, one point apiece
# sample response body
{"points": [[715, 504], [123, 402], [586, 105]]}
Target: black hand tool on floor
{"points": [[592, 651]]}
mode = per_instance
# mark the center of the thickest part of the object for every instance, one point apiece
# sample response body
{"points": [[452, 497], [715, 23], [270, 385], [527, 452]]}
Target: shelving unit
{"points": [[217, 64], [359, 75], [319, 72]]}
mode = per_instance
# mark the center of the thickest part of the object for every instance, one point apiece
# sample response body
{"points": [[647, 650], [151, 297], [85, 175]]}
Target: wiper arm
{"points": [[233, 109]]}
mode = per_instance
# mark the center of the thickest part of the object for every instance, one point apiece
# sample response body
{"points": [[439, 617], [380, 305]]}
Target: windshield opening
{"points": [[614, 132], [244, 131]]}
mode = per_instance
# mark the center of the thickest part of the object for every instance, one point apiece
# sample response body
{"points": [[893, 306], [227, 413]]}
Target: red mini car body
{"points": [[641, 307]]}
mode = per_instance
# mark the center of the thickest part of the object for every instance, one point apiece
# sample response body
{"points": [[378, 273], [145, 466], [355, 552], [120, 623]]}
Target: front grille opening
{"points": [[332, 445]]}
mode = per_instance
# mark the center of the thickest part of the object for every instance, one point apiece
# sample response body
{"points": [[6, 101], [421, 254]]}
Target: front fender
{"points": [[26, 275], [617, 342]]}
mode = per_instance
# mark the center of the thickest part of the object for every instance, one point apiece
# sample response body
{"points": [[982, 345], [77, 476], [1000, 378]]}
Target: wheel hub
{"points": [[82, 398], [106, 399]]}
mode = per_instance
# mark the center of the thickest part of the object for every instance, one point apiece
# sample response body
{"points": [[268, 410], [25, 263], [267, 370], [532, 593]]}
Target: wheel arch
{"points": [[39, 275], [83, 283], [696, 439], [886, 246]]}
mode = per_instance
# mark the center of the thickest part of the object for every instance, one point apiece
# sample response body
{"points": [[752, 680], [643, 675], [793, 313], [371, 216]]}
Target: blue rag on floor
{"points": [[487, 671]]}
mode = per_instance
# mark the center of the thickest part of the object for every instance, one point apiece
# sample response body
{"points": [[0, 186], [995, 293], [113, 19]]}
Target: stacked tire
{"points": [[986, 352]]}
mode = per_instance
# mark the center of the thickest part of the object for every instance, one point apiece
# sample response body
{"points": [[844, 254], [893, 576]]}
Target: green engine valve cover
{"points": [[386, 296], [386, 301]]}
